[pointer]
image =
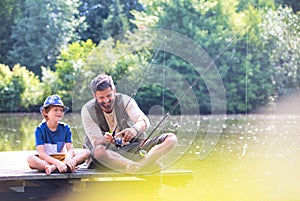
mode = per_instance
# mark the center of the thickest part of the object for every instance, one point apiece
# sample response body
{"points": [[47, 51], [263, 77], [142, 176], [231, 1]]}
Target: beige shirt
{"points": [[92, 130]]}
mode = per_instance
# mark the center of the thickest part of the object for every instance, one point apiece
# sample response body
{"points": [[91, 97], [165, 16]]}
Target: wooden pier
{"points": [[19, 182]]}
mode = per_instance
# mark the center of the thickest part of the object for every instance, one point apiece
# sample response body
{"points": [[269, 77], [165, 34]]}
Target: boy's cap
{"points": [[53, 100]]}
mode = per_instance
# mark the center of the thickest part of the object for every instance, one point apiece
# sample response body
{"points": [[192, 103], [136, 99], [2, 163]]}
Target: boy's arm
{"points": [[70, 151], [70, 161]]}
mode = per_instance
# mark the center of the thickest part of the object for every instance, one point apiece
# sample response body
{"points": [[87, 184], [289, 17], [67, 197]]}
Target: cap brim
{"points": [[66, 109]]}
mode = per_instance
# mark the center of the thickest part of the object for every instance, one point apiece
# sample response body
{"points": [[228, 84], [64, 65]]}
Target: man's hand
{"points": [[101, 140], [128, 134], [109, 138]]}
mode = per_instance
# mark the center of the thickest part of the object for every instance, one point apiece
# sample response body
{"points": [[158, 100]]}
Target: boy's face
{"points": [[106, 99], [56, 113]]}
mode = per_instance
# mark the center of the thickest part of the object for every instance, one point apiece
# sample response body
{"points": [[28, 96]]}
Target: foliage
{"points": [[280, 34], [116, 57], [19, 89], [49, 82], [32, 87], [107, 18], [69, 66], [42, 30], [10, 10], [230, 28], [294, 4], [254, 46]]}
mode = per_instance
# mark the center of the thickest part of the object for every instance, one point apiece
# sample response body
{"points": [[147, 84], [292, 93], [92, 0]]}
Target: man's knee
{"points": [[99, 151], [171, 139]]}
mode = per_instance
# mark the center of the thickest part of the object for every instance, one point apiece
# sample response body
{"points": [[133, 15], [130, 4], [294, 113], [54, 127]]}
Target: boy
{"points": [[54, 141]]}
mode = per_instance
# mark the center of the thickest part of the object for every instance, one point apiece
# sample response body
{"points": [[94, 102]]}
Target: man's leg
{"points": [[159, 150], [114, 160]]}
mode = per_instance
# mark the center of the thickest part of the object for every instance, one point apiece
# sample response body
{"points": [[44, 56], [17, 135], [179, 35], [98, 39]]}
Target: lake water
{"points": [[252, 157]]}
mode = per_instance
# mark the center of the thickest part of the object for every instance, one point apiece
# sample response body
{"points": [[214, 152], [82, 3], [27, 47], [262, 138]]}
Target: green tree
{"points": [[69, 66], [20, 89], [214, 25], [10, 10], [107, 18], [280, 35], [294, 4], [6, 90], [32, 93], [44, 28]]}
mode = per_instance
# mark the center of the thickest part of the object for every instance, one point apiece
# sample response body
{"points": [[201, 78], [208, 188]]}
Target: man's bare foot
{"points": [[132, 168], [49, 169]]}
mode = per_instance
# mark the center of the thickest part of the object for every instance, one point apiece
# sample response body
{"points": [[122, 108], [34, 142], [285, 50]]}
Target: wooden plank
{"points": [[14, 167], [18, 181]]}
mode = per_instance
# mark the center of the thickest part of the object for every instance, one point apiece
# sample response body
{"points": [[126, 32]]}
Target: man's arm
{"points": [[141, 121]]}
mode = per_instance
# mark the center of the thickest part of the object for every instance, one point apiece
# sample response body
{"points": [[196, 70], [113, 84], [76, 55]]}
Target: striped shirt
{"points": [[53, 141]]}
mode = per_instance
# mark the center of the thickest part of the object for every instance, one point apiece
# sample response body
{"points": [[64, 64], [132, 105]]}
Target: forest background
{"points": [[46, 44]]}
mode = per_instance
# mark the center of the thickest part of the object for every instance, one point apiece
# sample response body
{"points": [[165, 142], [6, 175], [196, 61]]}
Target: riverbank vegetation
{"points": [[49, 47]]}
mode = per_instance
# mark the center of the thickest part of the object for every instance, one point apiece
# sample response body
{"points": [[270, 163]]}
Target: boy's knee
{"points": [[30, 158], [86, 153]]}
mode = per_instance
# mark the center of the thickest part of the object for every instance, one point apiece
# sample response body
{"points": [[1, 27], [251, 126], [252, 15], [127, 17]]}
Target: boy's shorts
{"points": [[60, 157], [132, 150]]}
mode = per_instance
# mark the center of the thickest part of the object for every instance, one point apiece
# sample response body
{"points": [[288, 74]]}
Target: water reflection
{"points": [[256, 158], [17, 131]]}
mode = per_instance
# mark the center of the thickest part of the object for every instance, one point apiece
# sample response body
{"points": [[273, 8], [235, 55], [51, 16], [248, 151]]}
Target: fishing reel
{"points": [[118, 142], [142, 152]]}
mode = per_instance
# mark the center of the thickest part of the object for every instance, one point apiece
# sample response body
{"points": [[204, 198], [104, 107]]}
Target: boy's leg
{"points": [[35, 162], [50, 168], [81, 156]]}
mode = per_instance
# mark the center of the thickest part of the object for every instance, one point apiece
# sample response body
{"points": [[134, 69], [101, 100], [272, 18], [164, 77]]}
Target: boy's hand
{"points": [[71, 163], [61, 166]]}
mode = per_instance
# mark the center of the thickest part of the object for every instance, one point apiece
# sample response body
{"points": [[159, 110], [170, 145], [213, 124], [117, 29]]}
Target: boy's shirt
{"points": [[53, 141]]}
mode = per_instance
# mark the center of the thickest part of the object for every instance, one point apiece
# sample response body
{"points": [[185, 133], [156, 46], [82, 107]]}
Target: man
{"points": [[114, 126]]}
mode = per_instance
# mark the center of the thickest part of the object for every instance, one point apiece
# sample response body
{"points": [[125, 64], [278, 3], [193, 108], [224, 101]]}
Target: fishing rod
{"points": [[188, 90], [118, 141]]}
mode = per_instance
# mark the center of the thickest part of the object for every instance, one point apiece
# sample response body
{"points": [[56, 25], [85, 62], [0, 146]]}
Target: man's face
{"points": [[106, 99]]}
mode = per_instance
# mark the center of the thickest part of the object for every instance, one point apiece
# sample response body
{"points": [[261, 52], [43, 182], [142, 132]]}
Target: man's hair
{"points": [[102, 82]]}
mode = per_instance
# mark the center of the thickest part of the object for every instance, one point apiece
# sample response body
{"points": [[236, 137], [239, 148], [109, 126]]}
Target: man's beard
{"points": [[107, 106]]}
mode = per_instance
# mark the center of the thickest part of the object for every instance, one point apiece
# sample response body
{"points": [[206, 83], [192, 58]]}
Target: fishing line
{"points": [[245, 146], [117, 141], [189, 89]]}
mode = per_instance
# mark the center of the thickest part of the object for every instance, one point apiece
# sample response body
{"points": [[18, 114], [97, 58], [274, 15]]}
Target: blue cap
{"points": [[54, 100]]}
